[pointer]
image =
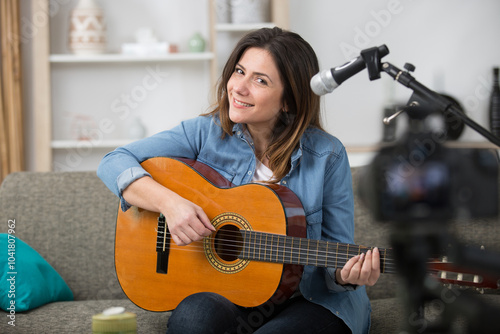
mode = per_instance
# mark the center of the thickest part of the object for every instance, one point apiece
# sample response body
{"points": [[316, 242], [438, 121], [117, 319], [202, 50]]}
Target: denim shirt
{"points": [[320, 176]]}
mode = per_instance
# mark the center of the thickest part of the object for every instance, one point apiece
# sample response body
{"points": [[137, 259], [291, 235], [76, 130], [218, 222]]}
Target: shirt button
{"points": [[238, 133], [283, 182], [249, 172]]}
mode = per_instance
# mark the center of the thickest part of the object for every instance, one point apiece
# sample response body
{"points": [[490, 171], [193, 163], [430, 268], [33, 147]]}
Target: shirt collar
{"points": [[239, 129]]}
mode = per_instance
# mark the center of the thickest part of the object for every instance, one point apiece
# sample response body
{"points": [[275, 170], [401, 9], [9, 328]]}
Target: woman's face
{"points": [[255, 91]]}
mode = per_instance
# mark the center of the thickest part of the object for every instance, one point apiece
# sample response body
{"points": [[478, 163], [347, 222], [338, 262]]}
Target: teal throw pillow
{"points": [[27, 280]]}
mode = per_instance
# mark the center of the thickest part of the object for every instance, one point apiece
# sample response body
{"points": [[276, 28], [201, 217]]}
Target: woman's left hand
{"points": [[362, 269]]}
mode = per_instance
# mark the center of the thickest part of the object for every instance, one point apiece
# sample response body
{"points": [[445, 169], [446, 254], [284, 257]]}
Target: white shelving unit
{"points": [[70, 144], [120, 58], [61, 86]]}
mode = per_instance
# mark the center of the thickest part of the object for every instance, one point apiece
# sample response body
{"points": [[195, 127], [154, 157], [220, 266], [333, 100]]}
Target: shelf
{"points": [[242, 27], [70, 144], [117, 58]]}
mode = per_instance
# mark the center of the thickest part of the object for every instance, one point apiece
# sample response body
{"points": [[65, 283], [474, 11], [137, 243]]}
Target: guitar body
{"points": [[205, 266]]}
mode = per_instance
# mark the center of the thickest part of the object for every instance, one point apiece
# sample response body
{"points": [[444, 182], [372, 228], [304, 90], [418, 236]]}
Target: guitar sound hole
{"points": [[228, 242]]}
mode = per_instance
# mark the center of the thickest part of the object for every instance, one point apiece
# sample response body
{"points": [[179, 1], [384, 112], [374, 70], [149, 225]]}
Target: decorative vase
{"points": [[249, 11], [197, 43], [87, 33]]}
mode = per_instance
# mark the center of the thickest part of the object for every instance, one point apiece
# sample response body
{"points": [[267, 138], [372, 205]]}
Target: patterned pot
{"points": [[87, 34]]}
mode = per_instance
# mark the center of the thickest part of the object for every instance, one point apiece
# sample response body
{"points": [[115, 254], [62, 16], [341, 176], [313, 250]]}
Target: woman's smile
{"points": [[239, 104]]}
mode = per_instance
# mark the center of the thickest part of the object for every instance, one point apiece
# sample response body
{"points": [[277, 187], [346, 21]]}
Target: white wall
{"points": [[453, 44]]}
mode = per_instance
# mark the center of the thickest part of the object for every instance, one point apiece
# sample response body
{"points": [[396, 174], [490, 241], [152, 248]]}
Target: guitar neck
{"points": [[268, 247]]}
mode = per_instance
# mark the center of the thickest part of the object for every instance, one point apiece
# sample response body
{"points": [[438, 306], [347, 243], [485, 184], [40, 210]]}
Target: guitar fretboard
{"points": [[276, 248]]}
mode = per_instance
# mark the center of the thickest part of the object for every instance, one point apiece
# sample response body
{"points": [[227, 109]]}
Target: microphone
{"points": [[327, 80]]}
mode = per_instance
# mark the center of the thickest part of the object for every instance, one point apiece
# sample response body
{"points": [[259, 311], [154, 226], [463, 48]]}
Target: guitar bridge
{"points": [[162, 246]]}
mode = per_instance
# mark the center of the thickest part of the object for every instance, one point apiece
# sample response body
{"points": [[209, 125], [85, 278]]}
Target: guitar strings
{"points": [[388, 267], [340, 259], [235, 248], [273, 247], [387, 264]]}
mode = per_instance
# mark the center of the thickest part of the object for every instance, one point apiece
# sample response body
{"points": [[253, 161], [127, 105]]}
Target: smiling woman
{"points": [[264, 128], [290, 62]]}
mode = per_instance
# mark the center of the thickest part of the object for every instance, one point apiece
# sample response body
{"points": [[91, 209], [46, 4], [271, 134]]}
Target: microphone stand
{"points": [[427, 98]]}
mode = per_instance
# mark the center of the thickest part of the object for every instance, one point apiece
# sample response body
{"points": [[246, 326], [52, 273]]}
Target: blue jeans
{"points": [[205, 313]]}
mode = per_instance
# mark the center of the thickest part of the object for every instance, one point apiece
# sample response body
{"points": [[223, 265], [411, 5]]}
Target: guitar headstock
{"points": [[449, 273]]}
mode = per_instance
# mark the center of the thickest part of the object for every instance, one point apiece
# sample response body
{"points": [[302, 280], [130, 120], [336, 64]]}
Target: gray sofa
{"points": [[69, 218]]}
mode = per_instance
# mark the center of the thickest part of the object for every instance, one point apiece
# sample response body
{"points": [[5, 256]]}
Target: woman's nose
{"points": [[241, 86]]}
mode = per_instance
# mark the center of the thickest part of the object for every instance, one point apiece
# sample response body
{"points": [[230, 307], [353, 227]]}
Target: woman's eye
{"points": [[238, 70], [261, 81]]}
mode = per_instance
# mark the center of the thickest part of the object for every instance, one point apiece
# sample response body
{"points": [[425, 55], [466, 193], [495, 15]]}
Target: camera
{"points": [[420, 179]]}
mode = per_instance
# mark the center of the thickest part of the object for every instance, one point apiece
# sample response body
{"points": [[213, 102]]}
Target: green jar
{"points": [[197, 43], [114, 323]]}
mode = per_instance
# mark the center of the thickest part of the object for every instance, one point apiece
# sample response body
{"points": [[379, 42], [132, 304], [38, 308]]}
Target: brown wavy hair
{"points": [[297, 63]]}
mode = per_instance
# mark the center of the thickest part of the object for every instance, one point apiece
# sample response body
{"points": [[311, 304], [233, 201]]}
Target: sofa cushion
{"points": [[69, 218], [28, 279]]}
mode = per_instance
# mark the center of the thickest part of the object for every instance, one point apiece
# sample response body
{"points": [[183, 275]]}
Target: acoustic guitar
{"points": [[256, 254]]}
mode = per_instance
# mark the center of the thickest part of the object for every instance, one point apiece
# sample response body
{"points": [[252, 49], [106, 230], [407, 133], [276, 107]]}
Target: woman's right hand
{"points": [[187, 222]]}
